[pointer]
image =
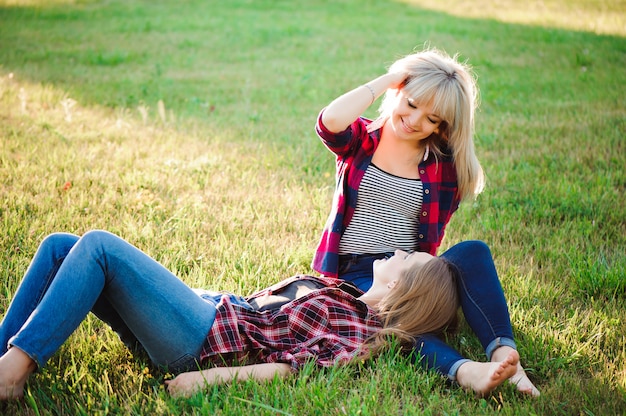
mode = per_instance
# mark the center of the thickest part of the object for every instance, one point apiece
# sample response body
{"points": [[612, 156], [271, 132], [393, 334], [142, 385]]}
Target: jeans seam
{"points": [[482, 313], [48, 281]]}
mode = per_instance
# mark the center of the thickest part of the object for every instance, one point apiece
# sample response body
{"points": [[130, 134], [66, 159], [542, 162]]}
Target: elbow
{"points": [[332, 122]]}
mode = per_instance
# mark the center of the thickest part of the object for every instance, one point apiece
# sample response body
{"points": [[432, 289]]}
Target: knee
{"points": [[58, 242], [470, 250], [95, 235], [472, 258], [475, 248], [98, 238], [102, 241]]}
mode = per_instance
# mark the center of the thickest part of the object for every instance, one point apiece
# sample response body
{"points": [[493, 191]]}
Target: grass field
{"points": [[187, 128]]}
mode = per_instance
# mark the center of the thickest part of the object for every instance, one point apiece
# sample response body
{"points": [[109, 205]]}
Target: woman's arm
{"points": [[186, 384], [343, 110]]}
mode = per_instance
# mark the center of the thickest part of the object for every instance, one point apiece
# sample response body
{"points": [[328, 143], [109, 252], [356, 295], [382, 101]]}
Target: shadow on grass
{"points": [[207, 61]]}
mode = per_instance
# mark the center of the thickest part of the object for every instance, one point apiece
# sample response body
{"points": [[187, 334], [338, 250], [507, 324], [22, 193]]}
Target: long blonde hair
{"points": [[435, 77], [423, 301]]}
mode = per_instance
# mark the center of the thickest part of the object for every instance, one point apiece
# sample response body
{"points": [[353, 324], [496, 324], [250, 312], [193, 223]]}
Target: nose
{"points": [[415, 117]]}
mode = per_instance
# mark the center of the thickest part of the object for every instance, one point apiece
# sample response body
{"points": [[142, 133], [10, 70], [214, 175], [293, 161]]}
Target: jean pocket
{"points": [[345, 266], [185, 363]]}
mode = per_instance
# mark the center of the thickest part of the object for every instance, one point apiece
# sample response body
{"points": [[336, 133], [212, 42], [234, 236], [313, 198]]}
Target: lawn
{"points": [[187, 128]]}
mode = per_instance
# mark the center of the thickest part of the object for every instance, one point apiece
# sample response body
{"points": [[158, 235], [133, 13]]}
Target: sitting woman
{"points": [[182, 329]]}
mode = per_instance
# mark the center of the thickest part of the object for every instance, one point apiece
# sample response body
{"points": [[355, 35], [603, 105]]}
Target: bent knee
{"points": [[59, 241], [98, 240], [475, 248]]}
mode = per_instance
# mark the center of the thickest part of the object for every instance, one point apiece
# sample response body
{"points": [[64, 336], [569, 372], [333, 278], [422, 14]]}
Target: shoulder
{"points": [[440, 158], [324, 298]]}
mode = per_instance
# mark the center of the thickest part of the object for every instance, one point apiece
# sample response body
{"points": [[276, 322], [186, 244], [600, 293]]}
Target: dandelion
{"points": [[146, 373]]}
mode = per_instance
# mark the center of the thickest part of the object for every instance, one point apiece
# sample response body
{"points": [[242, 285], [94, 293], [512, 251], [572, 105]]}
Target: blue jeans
{"points": [[482, 301], [140, 299]]}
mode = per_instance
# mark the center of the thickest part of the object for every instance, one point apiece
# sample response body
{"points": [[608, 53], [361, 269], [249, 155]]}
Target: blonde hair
{"points": [[449, 86], [423, 301]]}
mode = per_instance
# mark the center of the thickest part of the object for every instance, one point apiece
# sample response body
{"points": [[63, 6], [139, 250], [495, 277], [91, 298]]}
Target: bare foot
{"points": [[483, 378], [523, 383], [15, 368], [520, 379]]}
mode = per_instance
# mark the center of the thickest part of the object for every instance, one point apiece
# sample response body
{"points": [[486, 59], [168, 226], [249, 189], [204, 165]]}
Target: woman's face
{"points": [[388, 271], [412, 120]]}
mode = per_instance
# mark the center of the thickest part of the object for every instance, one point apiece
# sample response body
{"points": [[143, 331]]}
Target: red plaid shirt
{"points": [[326, 326], [354, 149]]}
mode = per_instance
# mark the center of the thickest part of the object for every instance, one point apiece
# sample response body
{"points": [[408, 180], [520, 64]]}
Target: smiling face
{"points": [[388, 271], [413, 120]]}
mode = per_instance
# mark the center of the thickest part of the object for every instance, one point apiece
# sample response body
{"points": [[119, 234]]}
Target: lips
{"points": [[406, 127]]}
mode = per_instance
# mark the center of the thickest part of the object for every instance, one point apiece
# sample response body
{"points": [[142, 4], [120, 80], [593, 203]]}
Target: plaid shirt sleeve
{"points": [[353, 149], [348, 144]]}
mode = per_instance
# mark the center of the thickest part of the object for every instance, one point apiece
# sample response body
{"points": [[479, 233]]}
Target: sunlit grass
{"points": [[599, 16]]}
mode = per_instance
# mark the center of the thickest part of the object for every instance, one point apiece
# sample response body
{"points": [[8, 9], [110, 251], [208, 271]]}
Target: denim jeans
{"points": [[140, 299], [482, 301]]}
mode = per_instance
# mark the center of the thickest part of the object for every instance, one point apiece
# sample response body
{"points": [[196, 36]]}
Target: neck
{"points": [[374, 295], [404, 151]]}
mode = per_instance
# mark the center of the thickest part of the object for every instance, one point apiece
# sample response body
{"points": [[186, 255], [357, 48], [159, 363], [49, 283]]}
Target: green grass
{"points": [[228, 186]]}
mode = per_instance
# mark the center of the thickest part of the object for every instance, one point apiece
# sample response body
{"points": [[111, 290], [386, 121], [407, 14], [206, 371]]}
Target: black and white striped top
{"points": [[386, 216]]}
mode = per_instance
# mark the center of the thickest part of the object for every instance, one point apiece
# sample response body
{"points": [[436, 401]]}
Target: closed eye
{"points": [[411, 103]]}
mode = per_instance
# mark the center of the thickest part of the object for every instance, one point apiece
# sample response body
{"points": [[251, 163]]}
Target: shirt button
{"points": [[422, 171], [426, 191], [421, 236], [424, 213]]}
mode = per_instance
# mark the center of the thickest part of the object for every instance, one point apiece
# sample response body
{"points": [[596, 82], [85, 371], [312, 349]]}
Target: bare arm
{"points": [[343, 110], [186, 384]]}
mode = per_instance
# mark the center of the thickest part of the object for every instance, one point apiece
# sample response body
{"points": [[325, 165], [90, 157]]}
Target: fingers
{"points": [[397, 80]]}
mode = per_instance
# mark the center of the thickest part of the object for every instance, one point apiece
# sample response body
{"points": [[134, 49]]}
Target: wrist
{"points": [[371, 90]]}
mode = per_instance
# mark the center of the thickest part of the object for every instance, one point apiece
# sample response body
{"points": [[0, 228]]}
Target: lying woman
{"points": [[181, 329]]}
